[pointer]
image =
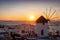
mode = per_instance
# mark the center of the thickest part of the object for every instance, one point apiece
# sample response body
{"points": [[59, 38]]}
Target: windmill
{"points": [[49, 16], [42, 21]]}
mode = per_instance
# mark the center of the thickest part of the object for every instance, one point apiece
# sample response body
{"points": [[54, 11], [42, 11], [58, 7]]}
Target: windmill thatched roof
{"points": [[41, 19]]}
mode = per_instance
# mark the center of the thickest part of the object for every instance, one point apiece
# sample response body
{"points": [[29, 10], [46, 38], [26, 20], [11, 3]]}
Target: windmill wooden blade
{"points": [[46, 14], [49, 12], [52, 13], [54, 17]]}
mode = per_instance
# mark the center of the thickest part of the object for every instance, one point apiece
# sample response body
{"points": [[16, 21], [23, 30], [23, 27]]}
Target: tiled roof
{"points": [[41, 19]]}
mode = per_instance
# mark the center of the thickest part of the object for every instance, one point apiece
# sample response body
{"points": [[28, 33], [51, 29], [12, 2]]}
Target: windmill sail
{"points": [[54, 17], [46, 14], [49, 14], [52, 14]]}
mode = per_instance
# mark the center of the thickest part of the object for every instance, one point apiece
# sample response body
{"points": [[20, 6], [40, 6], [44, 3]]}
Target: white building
{"points": [[42, 27]]}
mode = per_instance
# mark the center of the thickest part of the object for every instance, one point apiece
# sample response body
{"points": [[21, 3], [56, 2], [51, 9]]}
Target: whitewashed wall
{"points": [[39, 27]]}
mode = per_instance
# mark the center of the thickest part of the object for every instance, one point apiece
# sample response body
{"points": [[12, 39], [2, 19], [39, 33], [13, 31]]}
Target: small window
{"points": [[42, 32]]}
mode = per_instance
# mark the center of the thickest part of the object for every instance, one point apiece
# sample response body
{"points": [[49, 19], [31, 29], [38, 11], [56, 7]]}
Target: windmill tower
{"points": [[42, 23]]}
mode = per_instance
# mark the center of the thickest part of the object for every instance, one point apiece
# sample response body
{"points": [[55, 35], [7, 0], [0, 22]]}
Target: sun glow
{"points": [[31, 18]]}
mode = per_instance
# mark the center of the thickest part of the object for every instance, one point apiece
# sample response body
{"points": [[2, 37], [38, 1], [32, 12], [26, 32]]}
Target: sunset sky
{"points": [[25, 9]]}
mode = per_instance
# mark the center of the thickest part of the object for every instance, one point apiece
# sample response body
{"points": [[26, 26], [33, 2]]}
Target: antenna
{"points": [[52, 13]]}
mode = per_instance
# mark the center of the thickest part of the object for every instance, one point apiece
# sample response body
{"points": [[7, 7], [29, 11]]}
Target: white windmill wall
{"points": [[40, 26]]}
